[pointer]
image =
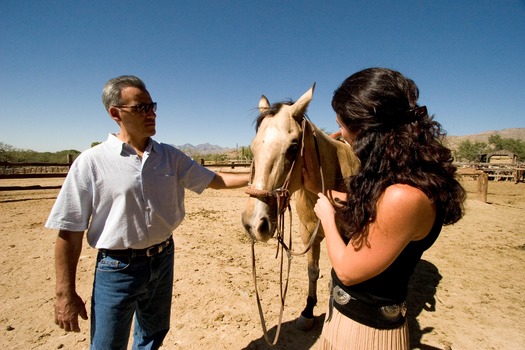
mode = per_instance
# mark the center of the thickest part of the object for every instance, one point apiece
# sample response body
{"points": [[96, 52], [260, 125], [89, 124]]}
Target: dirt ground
{"points": [[468, 292]]}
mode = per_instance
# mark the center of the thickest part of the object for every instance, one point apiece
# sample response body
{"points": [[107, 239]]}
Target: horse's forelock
{"points": [[271, 111]]}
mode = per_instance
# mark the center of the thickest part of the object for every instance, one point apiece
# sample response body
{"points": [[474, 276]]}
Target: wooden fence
{"points": [[495, 172], [9, 170], [482, 172], [33, 170]]}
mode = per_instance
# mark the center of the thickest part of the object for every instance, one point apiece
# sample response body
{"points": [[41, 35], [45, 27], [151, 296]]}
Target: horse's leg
{"points": [[308, 223], [306, 320]]}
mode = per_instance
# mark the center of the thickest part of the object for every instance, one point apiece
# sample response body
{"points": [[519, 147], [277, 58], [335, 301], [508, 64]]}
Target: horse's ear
{"points": [[264, 104], [300, 106]]}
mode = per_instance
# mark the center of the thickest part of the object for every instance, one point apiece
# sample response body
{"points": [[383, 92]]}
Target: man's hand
{"points": [[67, 310]]}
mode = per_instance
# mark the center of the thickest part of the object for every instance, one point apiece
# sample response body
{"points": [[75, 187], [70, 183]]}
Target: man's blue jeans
{"points": [[125, 286]]}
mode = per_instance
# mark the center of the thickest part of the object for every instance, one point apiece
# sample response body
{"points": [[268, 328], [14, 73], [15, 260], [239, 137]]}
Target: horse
{"points": [[285, 142]]}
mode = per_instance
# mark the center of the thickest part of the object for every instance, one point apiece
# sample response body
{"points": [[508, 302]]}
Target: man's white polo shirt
{"points": [[123, 201]]}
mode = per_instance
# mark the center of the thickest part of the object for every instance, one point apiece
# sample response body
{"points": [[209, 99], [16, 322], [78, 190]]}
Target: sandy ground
{"points": [[468, 291]]}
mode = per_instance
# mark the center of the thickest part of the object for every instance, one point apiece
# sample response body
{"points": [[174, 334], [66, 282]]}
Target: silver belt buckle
{"points": [[392, 312], [340, 296], [150, 251], [156, 249]]}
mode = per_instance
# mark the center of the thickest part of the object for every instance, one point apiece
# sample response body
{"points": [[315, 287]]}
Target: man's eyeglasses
{"points": [[142, 108]]}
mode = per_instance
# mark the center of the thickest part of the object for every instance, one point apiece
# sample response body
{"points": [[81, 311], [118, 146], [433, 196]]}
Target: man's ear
{"points": [[114, 113]]}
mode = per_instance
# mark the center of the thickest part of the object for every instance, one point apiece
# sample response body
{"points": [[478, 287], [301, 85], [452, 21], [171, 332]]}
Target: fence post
{"points": [[483, 184]]}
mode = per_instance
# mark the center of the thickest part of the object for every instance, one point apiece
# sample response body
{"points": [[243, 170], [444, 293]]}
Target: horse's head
{"points": [[276, 167]]}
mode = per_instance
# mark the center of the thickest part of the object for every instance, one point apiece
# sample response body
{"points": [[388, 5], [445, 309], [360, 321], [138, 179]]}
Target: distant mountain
{"points": [[204, 148], [513, 133], [451, 141]]}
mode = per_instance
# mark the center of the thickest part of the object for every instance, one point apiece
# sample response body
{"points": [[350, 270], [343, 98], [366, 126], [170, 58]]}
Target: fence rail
{"points": [[10, 170], [495, 172]]}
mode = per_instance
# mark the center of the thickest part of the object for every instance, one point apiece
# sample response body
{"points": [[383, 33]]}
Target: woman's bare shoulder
{"points": [[408, 206]]}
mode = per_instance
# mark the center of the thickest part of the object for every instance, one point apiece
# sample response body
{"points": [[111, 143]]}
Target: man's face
{"points": [[132, 122]]}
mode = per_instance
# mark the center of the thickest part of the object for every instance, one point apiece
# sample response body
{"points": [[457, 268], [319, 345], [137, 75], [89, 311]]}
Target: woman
{"points": [[393, 211]]}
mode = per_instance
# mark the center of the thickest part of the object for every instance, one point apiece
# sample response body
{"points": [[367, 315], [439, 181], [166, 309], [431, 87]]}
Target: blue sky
{"points": [[207, 63]]}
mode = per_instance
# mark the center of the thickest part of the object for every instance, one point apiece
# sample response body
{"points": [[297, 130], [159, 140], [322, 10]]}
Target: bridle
{"points": [[282, 195]]}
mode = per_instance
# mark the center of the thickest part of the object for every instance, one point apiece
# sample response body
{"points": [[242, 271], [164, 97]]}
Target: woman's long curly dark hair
{"points": [[397, 142]]}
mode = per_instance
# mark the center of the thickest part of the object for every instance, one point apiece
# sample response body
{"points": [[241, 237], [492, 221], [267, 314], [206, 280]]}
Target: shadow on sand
{"points": [[421, 296], [290, 337]]}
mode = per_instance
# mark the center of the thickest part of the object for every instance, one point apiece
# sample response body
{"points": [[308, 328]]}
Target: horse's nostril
{"points": [[264, 226]]}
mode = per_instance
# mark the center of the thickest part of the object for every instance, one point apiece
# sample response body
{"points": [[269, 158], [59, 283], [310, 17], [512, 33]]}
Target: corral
{"points": [[472, 278]]}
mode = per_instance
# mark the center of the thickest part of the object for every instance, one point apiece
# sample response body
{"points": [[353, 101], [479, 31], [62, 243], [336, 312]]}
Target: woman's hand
{"points": [[324, 209]]}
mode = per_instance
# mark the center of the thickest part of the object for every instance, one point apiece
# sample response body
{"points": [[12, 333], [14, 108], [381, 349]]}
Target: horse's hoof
{"points": [[304, 324]]}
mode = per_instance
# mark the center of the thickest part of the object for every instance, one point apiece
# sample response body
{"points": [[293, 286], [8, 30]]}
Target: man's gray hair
{"points": [[112, 90]]}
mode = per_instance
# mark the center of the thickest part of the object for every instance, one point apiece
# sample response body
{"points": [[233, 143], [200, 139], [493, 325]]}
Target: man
{"points": [[128, 193]]}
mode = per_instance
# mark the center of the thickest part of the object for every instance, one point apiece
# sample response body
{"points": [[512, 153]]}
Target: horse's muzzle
{"points": [[257, 220]]}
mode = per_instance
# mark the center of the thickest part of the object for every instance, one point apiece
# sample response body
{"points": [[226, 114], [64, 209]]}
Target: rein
{"points": [[282, 195]]}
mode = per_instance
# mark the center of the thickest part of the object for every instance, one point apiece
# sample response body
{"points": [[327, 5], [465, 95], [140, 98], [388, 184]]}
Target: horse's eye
{"points": [[292, 150]]}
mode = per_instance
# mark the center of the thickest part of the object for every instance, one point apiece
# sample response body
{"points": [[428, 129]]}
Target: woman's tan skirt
{"points": [[343, 333]]}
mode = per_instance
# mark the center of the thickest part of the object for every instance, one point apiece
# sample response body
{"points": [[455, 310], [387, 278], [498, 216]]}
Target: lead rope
{"points": [[283, 203], [283, 291]]}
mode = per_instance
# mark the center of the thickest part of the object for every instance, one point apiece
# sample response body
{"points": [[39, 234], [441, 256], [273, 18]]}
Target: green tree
{"points": [[469, 151], [5, 151], [246, 152], [10, 154], [515, 146]]}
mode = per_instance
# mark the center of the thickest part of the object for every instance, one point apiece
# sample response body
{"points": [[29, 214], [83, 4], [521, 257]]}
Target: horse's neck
{"points": [[337, 160]]}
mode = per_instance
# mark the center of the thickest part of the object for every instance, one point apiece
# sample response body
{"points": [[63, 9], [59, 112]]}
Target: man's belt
{"points": [[150, 251]]}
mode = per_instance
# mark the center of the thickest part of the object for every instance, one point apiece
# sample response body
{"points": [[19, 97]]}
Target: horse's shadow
{"points": [[290, 336], [421, 296]]}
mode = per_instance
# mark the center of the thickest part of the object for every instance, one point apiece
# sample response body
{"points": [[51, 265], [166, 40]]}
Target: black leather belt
{"points": [[376, 316], [150, 251]]}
